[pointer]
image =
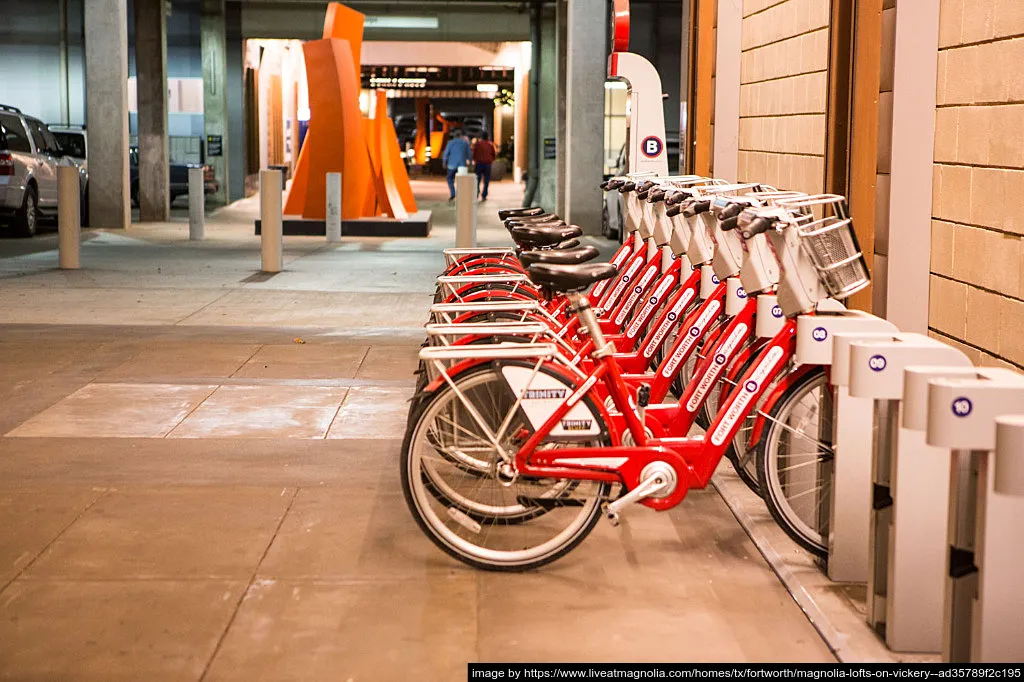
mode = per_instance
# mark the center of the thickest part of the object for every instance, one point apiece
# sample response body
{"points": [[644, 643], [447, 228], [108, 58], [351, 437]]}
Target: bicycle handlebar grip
{"points": [[627, 186], [642, 194], [729, 223], [757, 226], [656, 195], [731, 211], [673, 211], [676, 197], [697, 208]]}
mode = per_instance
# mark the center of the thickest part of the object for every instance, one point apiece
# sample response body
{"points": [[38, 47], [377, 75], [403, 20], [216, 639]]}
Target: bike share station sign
{"points": [[645, 131]]}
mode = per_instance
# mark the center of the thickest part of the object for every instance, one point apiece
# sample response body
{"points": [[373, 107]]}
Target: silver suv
{"points": [[29, 157]]}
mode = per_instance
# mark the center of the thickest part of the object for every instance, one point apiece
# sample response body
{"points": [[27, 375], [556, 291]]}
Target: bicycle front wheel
{"points": [[795, 459], [465, 500]]}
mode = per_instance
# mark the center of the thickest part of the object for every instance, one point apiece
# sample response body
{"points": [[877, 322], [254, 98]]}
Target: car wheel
{"points": [[27, 217]]}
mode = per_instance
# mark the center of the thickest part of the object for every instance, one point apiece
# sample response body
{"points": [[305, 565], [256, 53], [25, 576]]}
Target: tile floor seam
{"points": [[362, 361], [50, 544], [348, 392], [191, 412], [259, 347], [252, 580], [228, 292]]}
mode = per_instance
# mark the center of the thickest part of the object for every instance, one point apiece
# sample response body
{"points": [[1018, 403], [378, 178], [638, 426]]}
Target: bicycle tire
{"points": [[814, 540]]}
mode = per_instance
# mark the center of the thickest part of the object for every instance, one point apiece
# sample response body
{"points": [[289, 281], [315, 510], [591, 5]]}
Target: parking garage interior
{"points": [[199, 458]]}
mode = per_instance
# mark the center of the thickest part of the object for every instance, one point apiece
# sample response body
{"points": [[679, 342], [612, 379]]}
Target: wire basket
{"points": [[832, 246]]}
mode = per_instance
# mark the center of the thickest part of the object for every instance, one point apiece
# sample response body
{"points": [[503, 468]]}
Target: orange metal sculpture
{"points": [[339, 139]]}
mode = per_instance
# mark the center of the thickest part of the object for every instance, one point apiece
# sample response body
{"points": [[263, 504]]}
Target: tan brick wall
{"points": [[783, 93], [977, 253]]}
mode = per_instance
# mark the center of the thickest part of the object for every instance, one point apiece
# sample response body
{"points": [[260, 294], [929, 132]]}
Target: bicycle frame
{"points": [[695, 459]]}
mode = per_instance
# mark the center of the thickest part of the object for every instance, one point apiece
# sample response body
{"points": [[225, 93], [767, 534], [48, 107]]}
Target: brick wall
{"points": [[977, 254], [783, 93]]}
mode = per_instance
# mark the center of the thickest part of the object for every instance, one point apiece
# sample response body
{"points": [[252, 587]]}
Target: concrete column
{"points": [[727, 89], [913, 153], [151, 75], [560, 23], [234, 141], [546, 189], [215, 101], [106, 104], [586, 56]]}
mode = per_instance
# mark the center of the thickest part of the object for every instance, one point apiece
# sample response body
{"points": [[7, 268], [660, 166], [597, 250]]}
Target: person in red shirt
{"points": [[483, 156]]}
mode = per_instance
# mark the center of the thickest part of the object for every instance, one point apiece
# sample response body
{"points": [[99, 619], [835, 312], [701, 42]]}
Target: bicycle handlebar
{"points": [[756, 226]]}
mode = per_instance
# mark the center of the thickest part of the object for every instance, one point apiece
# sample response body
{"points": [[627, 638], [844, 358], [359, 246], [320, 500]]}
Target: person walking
{"points": [[456, 153], [484, 154]]}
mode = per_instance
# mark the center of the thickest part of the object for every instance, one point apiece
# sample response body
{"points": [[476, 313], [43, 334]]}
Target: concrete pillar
{"points": [[234, 141], [913, 152], [586, 57], [106, 104], [151, 78], [727, 89], [546, 190], [215, 101], [561, 8]]}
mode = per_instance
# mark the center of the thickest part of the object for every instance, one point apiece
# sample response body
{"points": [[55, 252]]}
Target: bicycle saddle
{"points": [[575, 256], [547, 218], [568, 278], [505, 213], [537, 236]]}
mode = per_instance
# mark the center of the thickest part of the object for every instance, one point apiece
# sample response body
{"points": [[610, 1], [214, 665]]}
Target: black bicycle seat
{"points": [[546, 219], [505, 213], [570, 277], [575, 256], [538, 237]]}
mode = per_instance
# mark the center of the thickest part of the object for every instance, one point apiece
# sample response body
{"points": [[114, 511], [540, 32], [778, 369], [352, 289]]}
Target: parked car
{"points": [[177, 180], [74, 143], [29, 158]]}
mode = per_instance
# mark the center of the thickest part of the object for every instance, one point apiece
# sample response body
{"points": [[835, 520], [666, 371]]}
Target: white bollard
{"points": [[333, 208], [69, 217], [196, 205], [465, 209], [271, 247]]}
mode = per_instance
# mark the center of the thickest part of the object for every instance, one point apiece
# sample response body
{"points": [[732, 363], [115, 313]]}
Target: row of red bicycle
{"points": [[555, 388]]}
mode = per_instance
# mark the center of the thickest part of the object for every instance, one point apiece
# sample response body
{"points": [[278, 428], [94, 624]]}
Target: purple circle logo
{"points": [[750, 386]]}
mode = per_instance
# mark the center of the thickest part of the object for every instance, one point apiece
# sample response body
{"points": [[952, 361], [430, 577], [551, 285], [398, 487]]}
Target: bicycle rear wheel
{"points": [[795, 459], [467, 503]]}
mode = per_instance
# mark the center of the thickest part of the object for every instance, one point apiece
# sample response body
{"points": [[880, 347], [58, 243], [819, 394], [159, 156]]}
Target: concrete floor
{"points": [[199, 481]]}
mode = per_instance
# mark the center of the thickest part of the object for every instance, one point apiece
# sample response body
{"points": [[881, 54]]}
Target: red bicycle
{"points": [[509, 461]]}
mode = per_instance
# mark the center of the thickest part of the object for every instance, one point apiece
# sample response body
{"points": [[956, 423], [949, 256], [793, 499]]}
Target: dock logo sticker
{"points": [[819, 334], [962, 407], [776, 311], [877, 363], [652, 146]]}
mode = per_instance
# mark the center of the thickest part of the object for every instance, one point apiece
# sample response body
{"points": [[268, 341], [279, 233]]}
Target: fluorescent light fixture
{"points": [[389, 21], [486, 87], [616, 85]]}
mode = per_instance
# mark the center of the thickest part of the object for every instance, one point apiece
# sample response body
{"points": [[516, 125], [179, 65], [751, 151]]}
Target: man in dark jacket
{"points": [[484, 154]]}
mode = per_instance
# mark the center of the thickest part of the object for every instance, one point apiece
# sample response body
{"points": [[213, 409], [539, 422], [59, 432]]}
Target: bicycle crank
{"points": [[657, 479]]}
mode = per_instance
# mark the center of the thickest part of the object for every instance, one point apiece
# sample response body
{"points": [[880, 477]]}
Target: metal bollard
{"points": [[271, 248], [333, 208], [196, 205], [465, 209], [69, 217]]}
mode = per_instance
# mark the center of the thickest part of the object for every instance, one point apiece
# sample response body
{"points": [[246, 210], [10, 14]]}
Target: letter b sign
{"points": [[651, 146]]}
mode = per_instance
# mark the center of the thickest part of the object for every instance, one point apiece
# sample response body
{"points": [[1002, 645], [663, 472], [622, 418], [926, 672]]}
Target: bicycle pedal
{"points": [[613, 517]]}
